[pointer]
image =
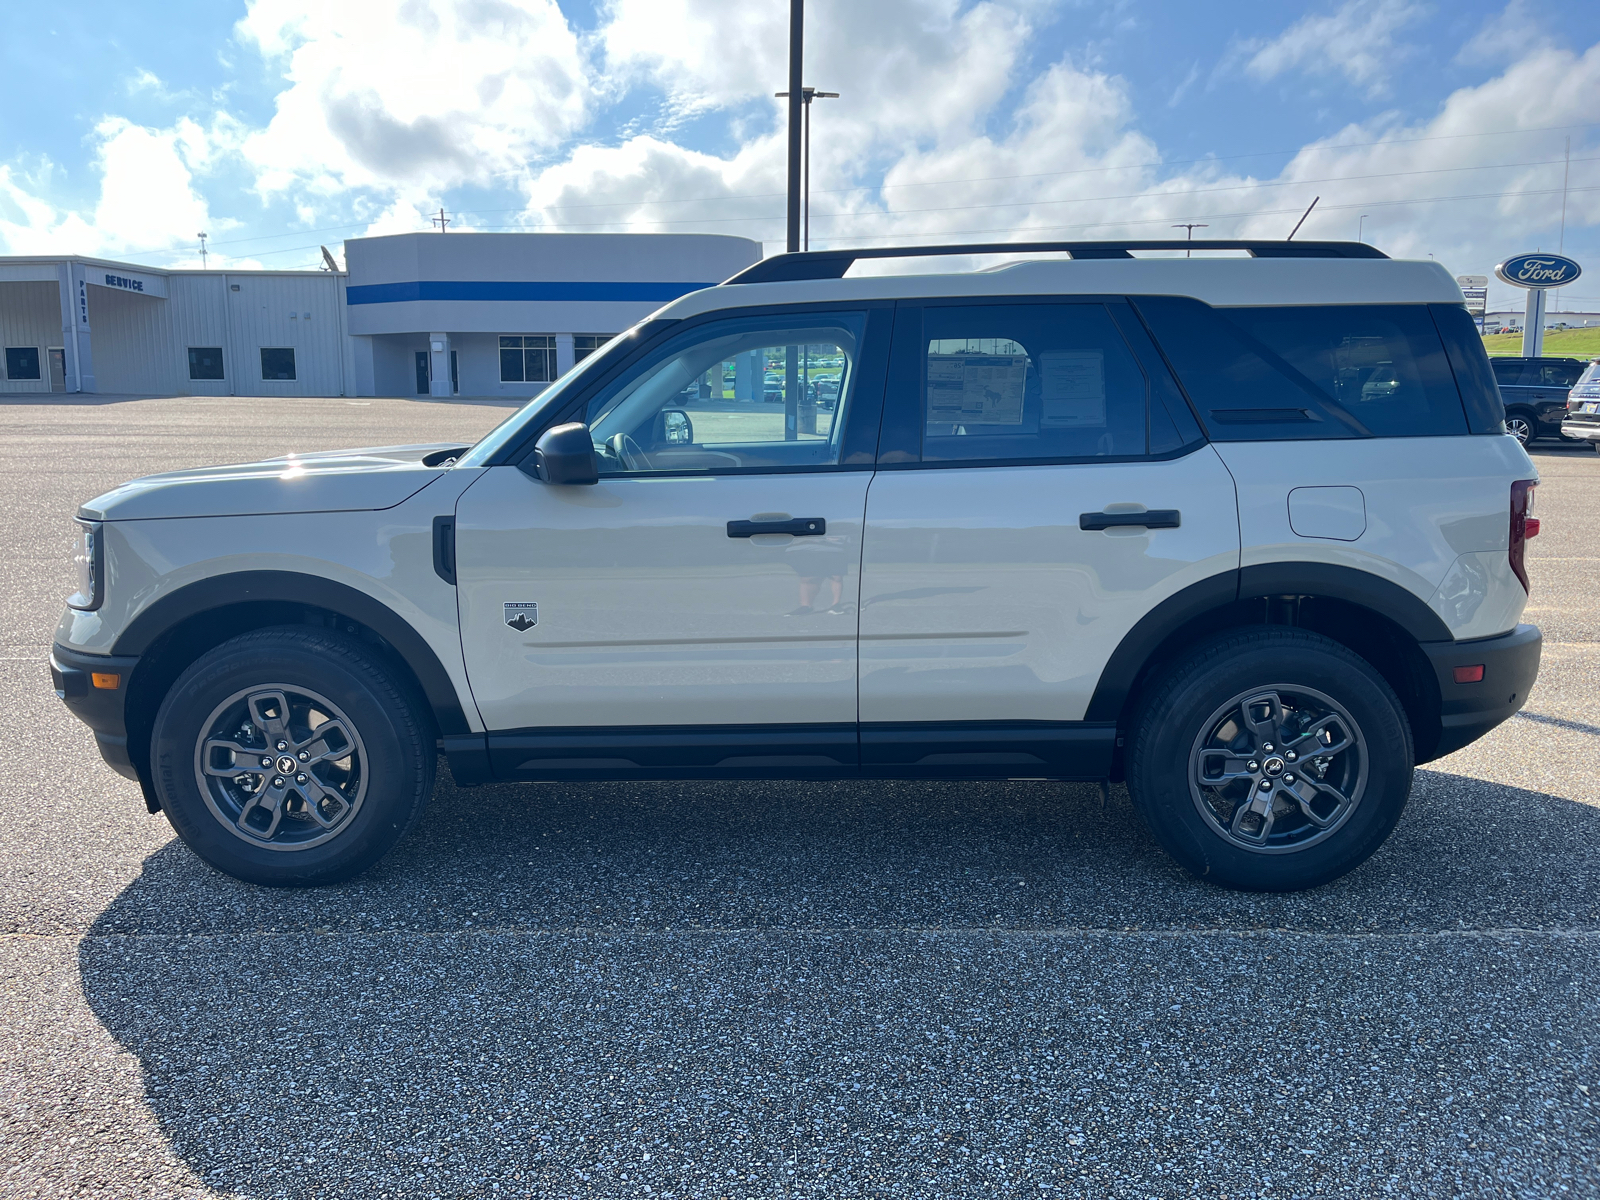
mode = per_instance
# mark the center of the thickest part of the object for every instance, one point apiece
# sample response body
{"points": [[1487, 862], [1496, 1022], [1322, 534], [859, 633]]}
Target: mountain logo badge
{"points": [[522, 615]]}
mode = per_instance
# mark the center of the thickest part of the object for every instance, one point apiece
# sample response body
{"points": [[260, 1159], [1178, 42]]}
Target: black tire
{"points": [[1180, 738], [332, 696]]}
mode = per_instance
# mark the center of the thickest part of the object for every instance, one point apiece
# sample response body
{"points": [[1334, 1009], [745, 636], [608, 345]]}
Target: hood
{"points": [[330, 481]]}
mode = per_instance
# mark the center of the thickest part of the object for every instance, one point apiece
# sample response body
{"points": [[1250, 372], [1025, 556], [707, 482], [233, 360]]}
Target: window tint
{"points": [[1314, 371], [1480, 397], [22, 362], [1507, 371], [734, 395], [1021, 382], [205, 362], [277, 363], [1559, 374]]}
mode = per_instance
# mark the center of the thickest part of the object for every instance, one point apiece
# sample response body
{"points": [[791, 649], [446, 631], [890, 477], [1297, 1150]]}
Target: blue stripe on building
{"points": [[466, 289]]}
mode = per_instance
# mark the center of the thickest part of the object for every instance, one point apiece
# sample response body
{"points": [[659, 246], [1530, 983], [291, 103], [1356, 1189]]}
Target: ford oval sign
{"points": [[1538, 270]]}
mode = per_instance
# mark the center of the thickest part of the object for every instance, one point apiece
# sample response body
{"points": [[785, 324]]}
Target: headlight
{"points": [[88, 555]]}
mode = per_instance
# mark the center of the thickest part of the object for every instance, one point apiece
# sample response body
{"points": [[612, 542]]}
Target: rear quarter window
{"points": [[1310, 371]]}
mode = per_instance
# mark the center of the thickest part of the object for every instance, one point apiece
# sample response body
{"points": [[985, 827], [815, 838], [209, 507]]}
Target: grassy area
{"points": [[1558, 343]]}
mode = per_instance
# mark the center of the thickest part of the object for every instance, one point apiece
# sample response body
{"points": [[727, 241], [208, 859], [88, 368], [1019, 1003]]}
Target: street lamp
{"points": [[1360, 226], [807, 95], [1191, 226]]}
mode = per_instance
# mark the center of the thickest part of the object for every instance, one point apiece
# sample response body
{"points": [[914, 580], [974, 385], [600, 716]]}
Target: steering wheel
{"points": [[629, 452]]}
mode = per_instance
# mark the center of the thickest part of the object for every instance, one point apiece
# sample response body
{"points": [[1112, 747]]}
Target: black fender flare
{"points": [[1330, 580], [312, 591]]}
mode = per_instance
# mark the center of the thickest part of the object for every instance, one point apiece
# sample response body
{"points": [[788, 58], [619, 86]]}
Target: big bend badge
{"points": [[522, 615]]}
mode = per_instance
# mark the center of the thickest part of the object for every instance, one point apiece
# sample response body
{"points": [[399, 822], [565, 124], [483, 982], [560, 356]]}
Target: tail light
{"points": [[1524, 525]]}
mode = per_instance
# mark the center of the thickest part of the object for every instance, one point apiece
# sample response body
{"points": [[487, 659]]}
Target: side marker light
{"points": [[108, 683], [1469, 674]]}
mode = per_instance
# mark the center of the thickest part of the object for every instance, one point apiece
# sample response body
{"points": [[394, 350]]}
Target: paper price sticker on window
{"points": [[1072, 389], [976, 389]]}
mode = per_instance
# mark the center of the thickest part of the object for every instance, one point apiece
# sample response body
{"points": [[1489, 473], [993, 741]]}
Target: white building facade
{"points": [[436, 314]]}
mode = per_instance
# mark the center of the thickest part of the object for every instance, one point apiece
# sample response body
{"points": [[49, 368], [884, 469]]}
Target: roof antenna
{"points": [[1302, 219]]}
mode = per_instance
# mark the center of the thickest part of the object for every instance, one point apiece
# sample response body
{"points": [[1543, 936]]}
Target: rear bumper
{"points": [[1588, 431], [1467, 711], [102, 709]]}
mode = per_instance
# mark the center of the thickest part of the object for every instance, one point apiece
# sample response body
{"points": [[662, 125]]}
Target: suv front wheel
{"points": [[291, 757], [1271, 760]]}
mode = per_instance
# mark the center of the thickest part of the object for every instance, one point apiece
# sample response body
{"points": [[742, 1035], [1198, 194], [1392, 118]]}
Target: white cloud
{"points": [[1513, 33], [1357, 40], [391, 93]]}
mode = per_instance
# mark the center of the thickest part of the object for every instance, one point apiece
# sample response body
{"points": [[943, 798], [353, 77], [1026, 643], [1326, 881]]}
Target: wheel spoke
{"points": [[330, 740], [317, 794], [1263, 717], [1259, 803], [245, 760], [270, 711], [1310, 742], [1304, 801], [270, 799], [1227, 765]]}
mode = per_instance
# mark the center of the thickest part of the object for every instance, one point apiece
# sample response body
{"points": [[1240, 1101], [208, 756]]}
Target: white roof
{"points": [[1223, 282]]}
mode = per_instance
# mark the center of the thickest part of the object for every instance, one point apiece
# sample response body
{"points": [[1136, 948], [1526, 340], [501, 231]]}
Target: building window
{"points": [[585, 344], [205, 362], [277, 362], [22, 362], [527, 359]]}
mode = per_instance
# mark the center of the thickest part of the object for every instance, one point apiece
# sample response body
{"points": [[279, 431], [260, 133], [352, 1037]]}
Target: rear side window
{"points": [[1486, 412], [1024, 382], [1314, 371], [1507, 371]]}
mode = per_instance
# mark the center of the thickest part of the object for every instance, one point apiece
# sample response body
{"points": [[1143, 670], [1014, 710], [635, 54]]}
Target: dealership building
{"points": [[434, 314]]}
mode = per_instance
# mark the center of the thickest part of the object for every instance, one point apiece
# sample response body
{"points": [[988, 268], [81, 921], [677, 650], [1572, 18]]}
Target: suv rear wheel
{"points": [[1520, 425], [1271, 760], [291, 757]]}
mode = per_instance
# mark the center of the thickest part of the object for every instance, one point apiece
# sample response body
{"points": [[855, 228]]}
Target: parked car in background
{"points": [[1535, 394], [1583, 408]]}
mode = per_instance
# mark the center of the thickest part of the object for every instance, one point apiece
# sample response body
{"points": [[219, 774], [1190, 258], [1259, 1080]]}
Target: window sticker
{"points": [[1072, 388], [976, 389]]}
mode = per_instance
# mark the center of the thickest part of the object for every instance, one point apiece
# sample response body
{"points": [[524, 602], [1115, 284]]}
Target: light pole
{"points": [[202, 238], [797, 22], [1360, 227], [807, 95], [1191, 226]]}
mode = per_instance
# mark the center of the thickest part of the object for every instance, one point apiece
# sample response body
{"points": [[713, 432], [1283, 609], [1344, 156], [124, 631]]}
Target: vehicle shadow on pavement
{"points": [[733, 989]]}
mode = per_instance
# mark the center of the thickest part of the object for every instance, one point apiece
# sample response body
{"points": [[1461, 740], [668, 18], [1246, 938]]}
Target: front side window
{"points": [[22, 362], [527, 358], [277, 362], [1024, 382], [749, 393], [205, 362], [1560, 374]]}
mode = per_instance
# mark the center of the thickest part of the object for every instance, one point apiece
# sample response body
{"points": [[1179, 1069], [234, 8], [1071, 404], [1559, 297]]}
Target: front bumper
{"points": [[1467, 711], [102, 709]]}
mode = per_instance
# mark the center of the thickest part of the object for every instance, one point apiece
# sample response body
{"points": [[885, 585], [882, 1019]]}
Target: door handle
{"points": [[799, 527], [1155, 518]]}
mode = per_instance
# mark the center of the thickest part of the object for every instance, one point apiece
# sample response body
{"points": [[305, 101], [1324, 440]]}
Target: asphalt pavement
{"points": [[774, 989]]}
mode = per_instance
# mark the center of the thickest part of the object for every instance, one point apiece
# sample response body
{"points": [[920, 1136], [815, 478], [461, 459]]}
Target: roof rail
{"points": [[832, 264]]}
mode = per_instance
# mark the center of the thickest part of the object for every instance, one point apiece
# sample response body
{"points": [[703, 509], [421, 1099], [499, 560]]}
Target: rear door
{"points": [[1041, 486]]}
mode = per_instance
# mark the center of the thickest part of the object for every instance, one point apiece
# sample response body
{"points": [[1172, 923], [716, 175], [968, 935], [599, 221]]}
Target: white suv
{"points": [[1244, 531]]}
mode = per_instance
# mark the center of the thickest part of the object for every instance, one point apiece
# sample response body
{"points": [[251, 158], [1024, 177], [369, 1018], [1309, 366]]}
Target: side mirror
{"points": [[673, 428], [564, 454]]}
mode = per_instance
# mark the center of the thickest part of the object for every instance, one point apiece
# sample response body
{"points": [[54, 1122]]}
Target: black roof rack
{"points": [[832, 264]]}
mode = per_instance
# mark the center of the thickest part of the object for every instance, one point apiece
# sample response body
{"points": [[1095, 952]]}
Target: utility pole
{"points": [[797, 15], [442, 221], [807, 95], [202, 238], [1191, 226]]}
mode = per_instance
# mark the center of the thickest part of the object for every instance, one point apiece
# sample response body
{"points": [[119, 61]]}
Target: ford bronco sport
{"points": [[1246, 531]]}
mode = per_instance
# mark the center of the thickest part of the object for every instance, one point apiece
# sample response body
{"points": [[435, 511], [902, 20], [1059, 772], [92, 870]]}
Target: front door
{"points": [[424, 374], [1044, 503], [58, 368], [696, 609]]}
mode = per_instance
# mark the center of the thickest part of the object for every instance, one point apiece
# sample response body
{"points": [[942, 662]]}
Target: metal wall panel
{"points": [[30, 315], [130, 337], [199, 318], [259, 315]]}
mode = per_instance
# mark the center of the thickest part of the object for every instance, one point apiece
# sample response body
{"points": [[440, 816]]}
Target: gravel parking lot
{"points": [[738, 990]]}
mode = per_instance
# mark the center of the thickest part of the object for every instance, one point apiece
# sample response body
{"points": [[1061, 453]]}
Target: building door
{"points": [[455, 376], [1044, 505], [424, 375], [58, 368], [701, 598]]}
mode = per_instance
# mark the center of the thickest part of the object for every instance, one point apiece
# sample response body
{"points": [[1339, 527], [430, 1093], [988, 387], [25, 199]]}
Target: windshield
{"points": [[505, 432]]}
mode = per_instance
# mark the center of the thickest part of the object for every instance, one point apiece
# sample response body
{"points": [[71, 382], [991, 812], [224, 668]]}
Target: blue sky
{"points": [[278, 125]]}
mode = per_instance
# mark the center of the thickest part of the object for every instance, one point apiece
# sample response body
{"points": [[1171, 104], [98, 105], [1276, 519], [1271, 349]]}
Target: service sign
{"points": [[1475, 291], [1538, 271]]}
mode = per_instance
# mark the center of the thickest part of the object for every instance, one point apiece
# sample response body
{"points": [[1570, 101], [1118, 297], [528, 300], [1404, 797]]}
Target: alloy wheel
{"points": [[281, 767], [1278, 769]]}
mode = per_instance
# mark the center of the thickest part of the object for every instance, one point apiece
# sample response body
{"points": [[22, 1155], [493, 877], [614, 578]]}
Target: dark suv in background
{"points": [[1535, 394]]}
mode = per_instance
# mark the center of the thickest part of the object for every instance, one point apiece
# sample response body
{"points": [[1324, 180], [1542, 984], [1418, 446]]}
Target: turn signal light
{"points": [[1469, 674], [108, 683]]}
